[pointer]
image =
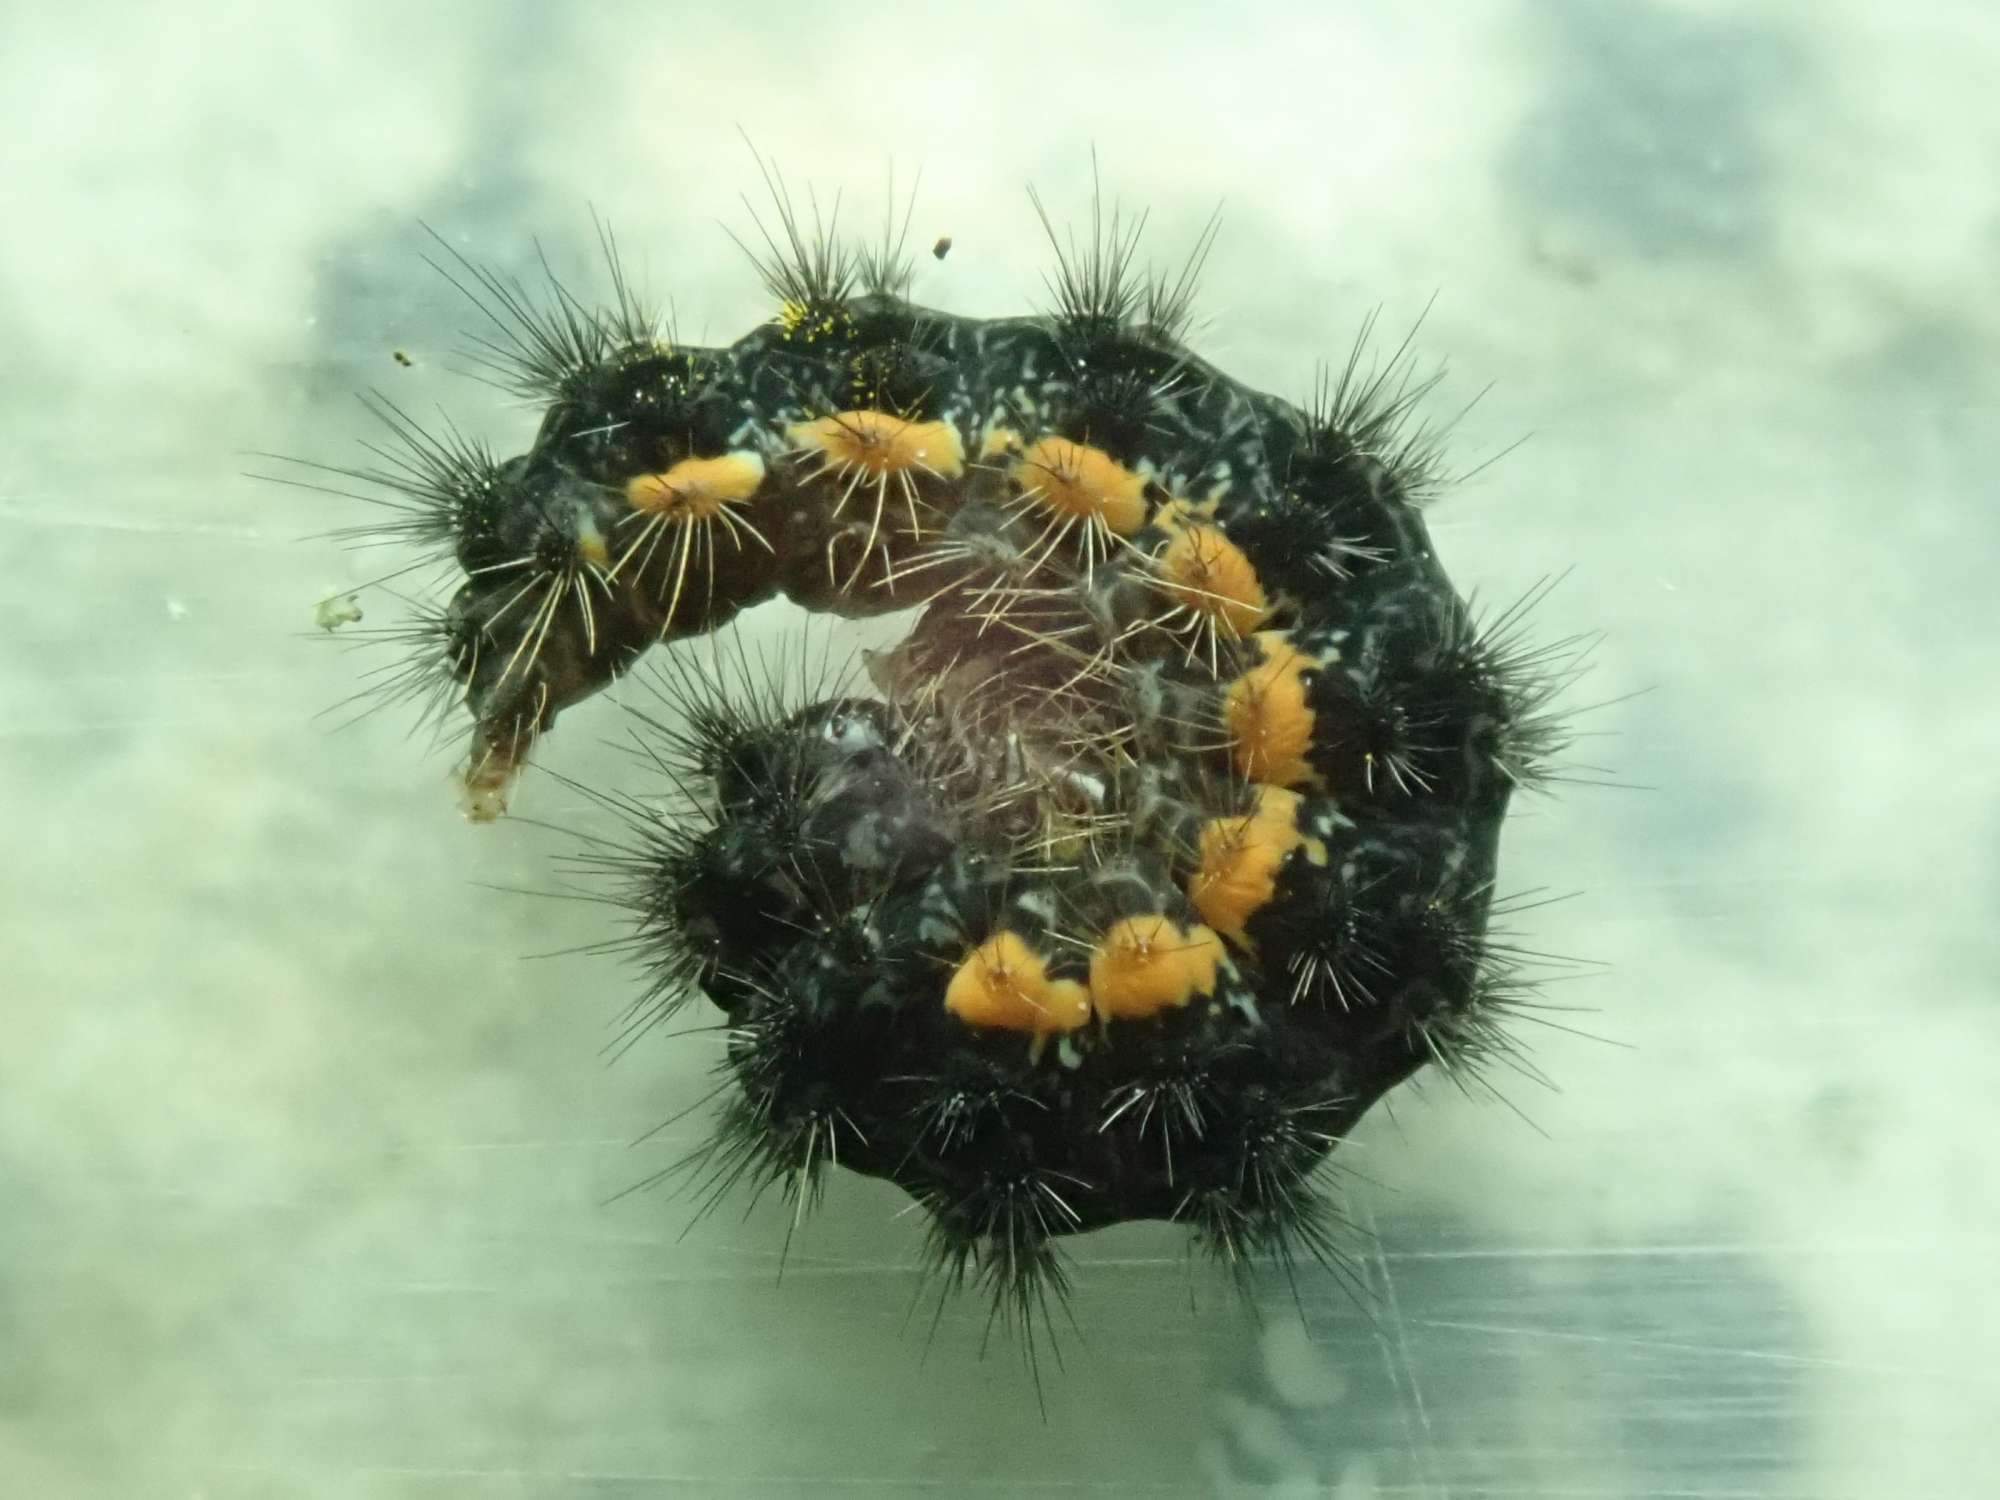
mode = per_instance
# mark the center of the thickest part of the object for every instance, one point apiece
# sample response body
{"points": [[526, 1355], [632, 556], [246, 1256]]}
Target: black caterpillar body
{"points": [[1159, 850]]}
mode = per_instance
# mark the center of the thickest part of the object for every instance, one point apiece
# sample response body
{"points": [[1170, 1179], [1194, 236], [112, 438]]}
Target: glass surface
{"points": [[308, 1164]]}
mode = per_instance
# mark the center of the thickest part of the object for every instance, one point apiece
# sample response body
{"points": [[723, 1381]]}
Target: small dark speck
{"points": [[943, 247], [403, 359]]}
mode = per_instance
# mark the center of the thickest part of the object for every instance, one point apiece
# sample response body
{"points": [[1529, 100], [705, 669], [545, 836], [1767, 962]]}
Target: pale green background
{"points": [[303, 1164]]}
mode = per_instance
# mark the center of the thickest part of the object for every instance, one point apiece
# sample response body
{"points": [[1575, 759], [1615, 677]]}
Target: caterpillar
{"points": [[1160, 848]]}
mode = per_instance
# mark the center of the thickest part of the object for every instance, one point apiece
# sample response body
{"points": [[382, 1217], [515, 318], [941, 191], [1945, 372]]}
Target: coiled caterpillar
{"points": [[1160, 848]]}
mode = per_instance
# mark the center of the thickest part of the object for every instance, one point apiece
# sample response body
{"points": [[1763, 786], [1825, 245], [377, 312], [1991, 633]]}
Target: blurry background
{"points": [[304, 1161]]}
